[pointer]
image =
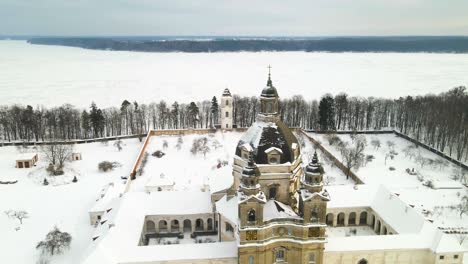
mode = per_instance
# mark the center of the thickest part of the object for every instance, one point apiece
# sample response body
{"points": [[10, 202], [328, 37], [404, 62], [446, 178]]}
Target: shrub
{"points": [[75, 179], [158, 154], [107, 165], [392, 168]]}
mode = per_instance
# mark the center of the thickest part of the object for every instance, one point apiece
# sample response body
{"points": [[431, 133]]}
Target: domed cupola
{"points": [[270, 140], [313, 175], [269, 90], [249, 181], [269, 100]]}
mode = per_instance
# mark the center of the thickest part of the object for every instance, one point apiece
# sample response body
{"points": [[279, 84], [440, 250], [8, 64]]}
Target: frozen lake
{"points": [[53, 75]]}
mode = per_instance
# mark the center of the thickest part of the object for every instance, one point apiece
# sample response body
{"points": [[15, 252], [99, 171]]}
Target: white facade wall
{"points": [[226, 112]]}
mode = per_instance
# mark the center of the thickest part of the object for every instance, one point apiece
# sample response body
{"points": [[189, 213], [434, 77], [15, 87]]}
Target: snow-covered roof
{"points": [[106, 200], [247, 147], [119, 244], [276, 210], [273, 149], [228, 208], [220, 179], [25, 156], [413, 230], [159, 180]]}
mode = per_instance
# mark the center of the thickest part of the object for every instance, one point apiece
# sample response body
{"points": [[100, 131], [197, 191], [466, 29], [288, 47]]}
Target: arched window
{"points": [[314, 217], [174, 225], [187, 225], [227, 102], [227, 114], [210, 224], [199, 225], [251, 260], [279, 255], [269, 107], [272, 192], [311, 258], [363, 261], [329, 219], [150, 226], [251, 215], [340, 220], [363, 218], [352, 219], [162, 226]]}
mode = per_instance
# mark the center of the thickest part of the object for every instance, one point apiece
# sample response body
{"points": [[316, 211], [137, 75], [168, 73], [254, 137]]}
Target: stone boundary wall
{"points": [[399, 134], [433, 150], [73, 141], [337, 163]]}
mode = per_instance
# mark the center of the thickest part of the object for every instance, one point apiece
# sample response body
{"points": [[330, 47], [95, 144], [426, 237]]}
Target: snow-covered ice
{"points": [[54, 75]]}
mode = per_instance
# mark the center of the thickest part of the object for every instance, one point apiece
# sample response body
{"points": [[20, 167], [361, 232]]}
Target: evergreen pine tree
{"points": [[327, 113], [214, 111]]}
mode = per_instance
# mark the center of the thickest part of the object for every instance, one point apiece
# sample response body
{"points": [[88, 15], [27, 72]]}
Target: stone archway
{"points": [[329, 219], [162, 226], [352, 219], [187, 225], [363, 218], [150, 226], [340, 219], [199, 226]]}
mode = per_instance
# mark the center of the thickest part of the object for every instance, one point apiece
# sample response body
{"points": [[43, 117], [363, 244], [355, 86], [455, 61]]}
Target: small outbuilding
{"points": [[75, 156], [26, 160], [159, 183]]}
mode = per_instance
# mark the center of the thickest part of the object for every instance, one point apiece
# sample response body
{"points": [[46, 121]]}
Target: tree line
{"points": [[440, 121]]}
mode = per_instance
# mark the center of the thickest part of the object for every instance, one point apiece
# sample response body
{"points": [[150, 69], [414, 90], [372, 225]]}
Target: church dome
{"points": [[264, 137], [269, 90]]}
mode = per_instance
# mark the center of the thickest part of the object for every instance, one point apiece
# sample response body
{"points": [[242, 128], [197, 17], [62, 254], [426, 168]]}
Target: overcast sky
{"points": [[234, 17]]}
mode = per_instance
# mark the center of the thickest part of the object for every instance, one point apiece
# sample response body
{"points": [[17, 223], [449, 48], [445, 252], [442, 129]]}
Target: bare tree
{"points": [[354, 157], [375, 142], [463, 206], [390, 144], [461, 235], [118, 144], [20, 215], [57, 154]]}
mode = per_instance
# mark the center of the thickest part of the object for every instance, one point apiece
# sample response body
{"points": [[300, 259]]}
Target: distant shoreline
{"points": [[447, 44]]}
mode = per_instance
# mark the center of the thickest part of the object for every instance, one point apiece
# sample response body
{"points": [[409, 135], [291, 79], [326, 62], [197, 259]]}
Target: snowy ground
{"points": [[188, 171], [63, 204], [345, 231], [437, 204], [333, 175], [151, 77]]}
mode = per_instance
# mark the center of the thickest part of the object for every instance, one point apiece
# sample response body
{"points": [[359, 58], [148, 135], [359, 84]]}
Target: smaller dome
{"points": [[251, 168], [314, 166], [269, 91]]}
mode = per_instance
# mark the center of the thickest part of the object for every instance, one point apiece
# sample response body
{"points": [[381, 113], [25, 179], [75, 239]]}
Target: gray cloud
{"points": [[235, 17]]}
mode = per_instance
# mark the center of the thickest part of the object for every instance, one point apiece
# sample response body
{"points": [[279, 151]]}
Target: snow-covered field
{"points": [[54, 75], [63, 205], [188, 171], [439, 203], [333, 175]]}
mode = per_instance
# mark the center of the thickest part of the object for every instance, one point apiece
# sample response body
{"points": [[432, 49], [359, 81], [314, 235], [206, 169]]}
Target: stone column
{"points": [[346, 219]]}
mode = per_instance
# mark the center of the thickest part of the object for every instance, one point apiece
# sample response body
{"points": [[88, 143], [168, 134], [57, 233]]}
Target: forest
{"points": [[445, 44], [441, 121]]}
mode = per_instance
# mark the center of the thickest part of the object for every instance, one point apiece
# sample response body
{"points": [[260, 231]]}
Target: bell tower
{"points": [[226, 109]]}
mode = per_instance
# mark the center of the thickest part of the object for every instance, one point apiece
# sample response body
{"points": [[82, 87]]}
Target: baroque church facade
{"points": [[281, 205]]}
